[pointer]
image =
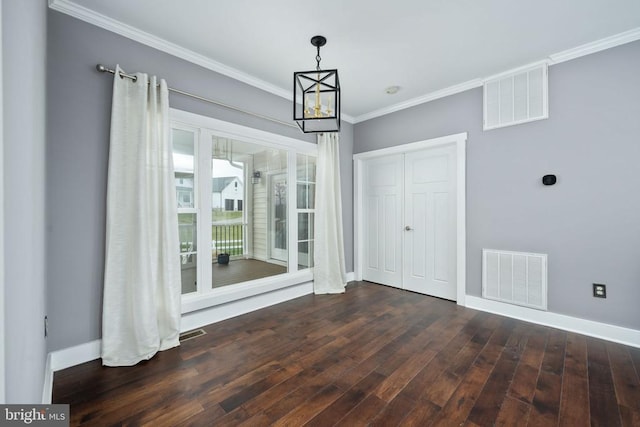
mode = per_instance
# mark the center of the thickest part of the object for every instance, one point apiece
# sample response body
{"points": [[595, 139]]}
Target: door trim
{"points": [[270, 215], [458, 140]]}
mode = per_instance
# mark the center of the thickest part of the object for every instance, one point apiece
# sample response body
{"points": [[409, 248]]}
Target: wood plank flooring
{"points": [[374, 356], [243, 270], [237, 271]]}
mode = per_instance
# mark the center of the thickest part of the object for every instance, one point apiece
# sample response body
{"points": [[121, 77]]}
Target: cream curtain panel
{"points": [[141, 306], [329, 276]]}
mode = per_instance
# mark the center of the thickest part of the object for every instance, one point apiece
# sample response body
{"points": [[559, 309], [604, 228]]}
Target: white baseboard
{"points": [[76, 355], [66, 358], [47, 389], [351, 277], [72, 356], [200, 318], [619, 334]]}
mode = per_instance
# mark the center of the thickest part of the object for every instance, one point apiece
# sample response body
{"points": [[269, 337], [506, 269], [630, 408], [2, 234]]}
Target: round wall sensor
{"points": [[549, 179]]}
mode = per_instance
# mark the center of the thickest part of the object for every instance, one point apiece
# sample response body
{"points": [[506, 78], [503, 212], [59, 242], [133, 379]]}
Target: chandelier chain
{"points": [[318, 58]]}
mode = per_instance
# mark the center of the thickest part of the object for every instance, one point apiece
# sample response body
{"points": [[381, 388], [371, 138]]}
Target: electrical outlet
{"points": [[599, 290]]}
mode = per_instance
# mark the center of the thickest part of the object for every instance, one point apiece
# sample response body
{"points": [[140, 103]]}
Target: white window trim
{"points": [[242, 133], [207, 297]]}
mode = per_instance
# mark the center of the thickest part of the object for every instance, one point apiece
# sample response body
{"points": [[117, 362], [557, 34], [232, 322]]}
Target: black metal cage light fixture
{"points": [[316, 96]]}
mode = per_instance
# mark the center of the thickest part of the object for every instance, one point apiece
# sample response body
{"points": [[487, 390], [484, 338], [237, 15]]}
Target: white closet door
{"points": [[429, 236], [382, 258]]}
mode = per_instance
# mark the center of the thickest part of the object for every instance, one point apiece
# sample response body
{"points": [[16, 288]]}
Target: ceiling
{"points": [[422, 46]]}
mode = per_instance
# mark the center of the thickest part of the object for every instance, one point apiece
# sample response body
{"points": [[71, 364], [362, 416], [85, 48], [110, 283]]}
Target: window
{"points": [[252, 224], [184, 198], [184, 179], [306, 192], [184, 149]]}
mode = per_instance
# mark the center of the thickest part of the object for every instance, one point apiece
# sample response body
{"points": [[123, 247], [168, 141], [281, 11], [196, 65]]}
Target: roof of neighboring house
{"points": [[219, 184]]}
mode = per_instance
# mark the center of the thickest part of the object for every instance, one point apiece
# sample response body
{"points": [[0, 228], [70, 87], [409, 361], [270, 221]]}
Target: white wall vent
{"points": [[516, 97], [515, 277]]}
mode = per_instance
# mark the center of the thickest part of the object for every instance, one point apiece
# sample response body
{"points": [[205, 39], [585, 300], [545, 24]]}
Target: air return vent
{"points": [[515, 277], [516, 97], [192, 334]]}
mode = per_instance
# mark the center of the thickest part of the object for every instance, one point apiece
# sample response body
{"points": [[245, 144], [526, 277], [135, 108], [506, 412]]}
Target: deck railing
{"points": [[227, 238]]}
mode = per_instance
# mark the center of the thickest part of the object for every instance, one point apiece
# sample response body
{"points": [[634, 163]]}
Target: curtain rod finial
{"points": [[101, 68]]}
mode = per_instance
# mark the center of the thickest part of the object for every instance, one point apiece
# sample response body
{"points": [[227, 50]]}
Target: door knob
{"points": [[408, 228]]}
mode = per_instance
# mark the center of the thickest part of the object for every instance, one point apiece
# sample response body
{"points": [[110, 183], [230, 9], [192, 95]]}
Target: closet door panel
{"points": [[383, 182], [429, 232]]}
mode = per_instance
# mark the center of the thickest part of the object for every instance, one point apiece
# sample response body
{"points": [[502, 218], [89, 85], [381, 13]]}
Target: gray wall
{"points": [[23, 57], [79, 101], [589, 222]]}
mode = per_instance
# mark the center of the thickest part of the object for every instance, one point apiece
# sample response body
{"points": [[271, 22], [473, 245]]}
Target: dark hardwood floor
{"points": [[243, 270], [237, 271], [373, 356]]}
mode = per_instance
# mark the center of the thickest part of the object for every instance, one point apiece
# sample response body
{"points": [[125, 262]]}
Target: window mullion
{"points": [[204, 211], [292, 208]]}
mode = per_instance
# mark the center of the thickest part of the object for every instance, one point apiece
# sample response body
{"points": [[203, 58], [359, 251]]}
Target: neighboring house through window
{"points": [[226, 192]]}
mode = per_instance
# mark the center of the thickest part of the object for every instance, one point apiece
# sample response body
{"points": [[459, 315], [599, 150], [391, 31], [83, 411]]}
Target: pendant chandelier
{"points": [[319, 92]]}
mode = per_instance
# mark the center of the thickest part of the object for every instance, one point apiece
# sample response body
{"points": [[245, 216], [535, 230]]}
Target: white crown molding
{"points": [[451, 90], [80, 12], [347, 118], [590, 328], [556, 58], [597, 46], [87, 15], [517, 70]]}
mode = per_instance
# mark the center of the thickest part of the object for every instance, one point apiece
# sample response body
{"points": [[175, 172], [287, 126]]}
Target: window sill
{"points": [[227, 294]]}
